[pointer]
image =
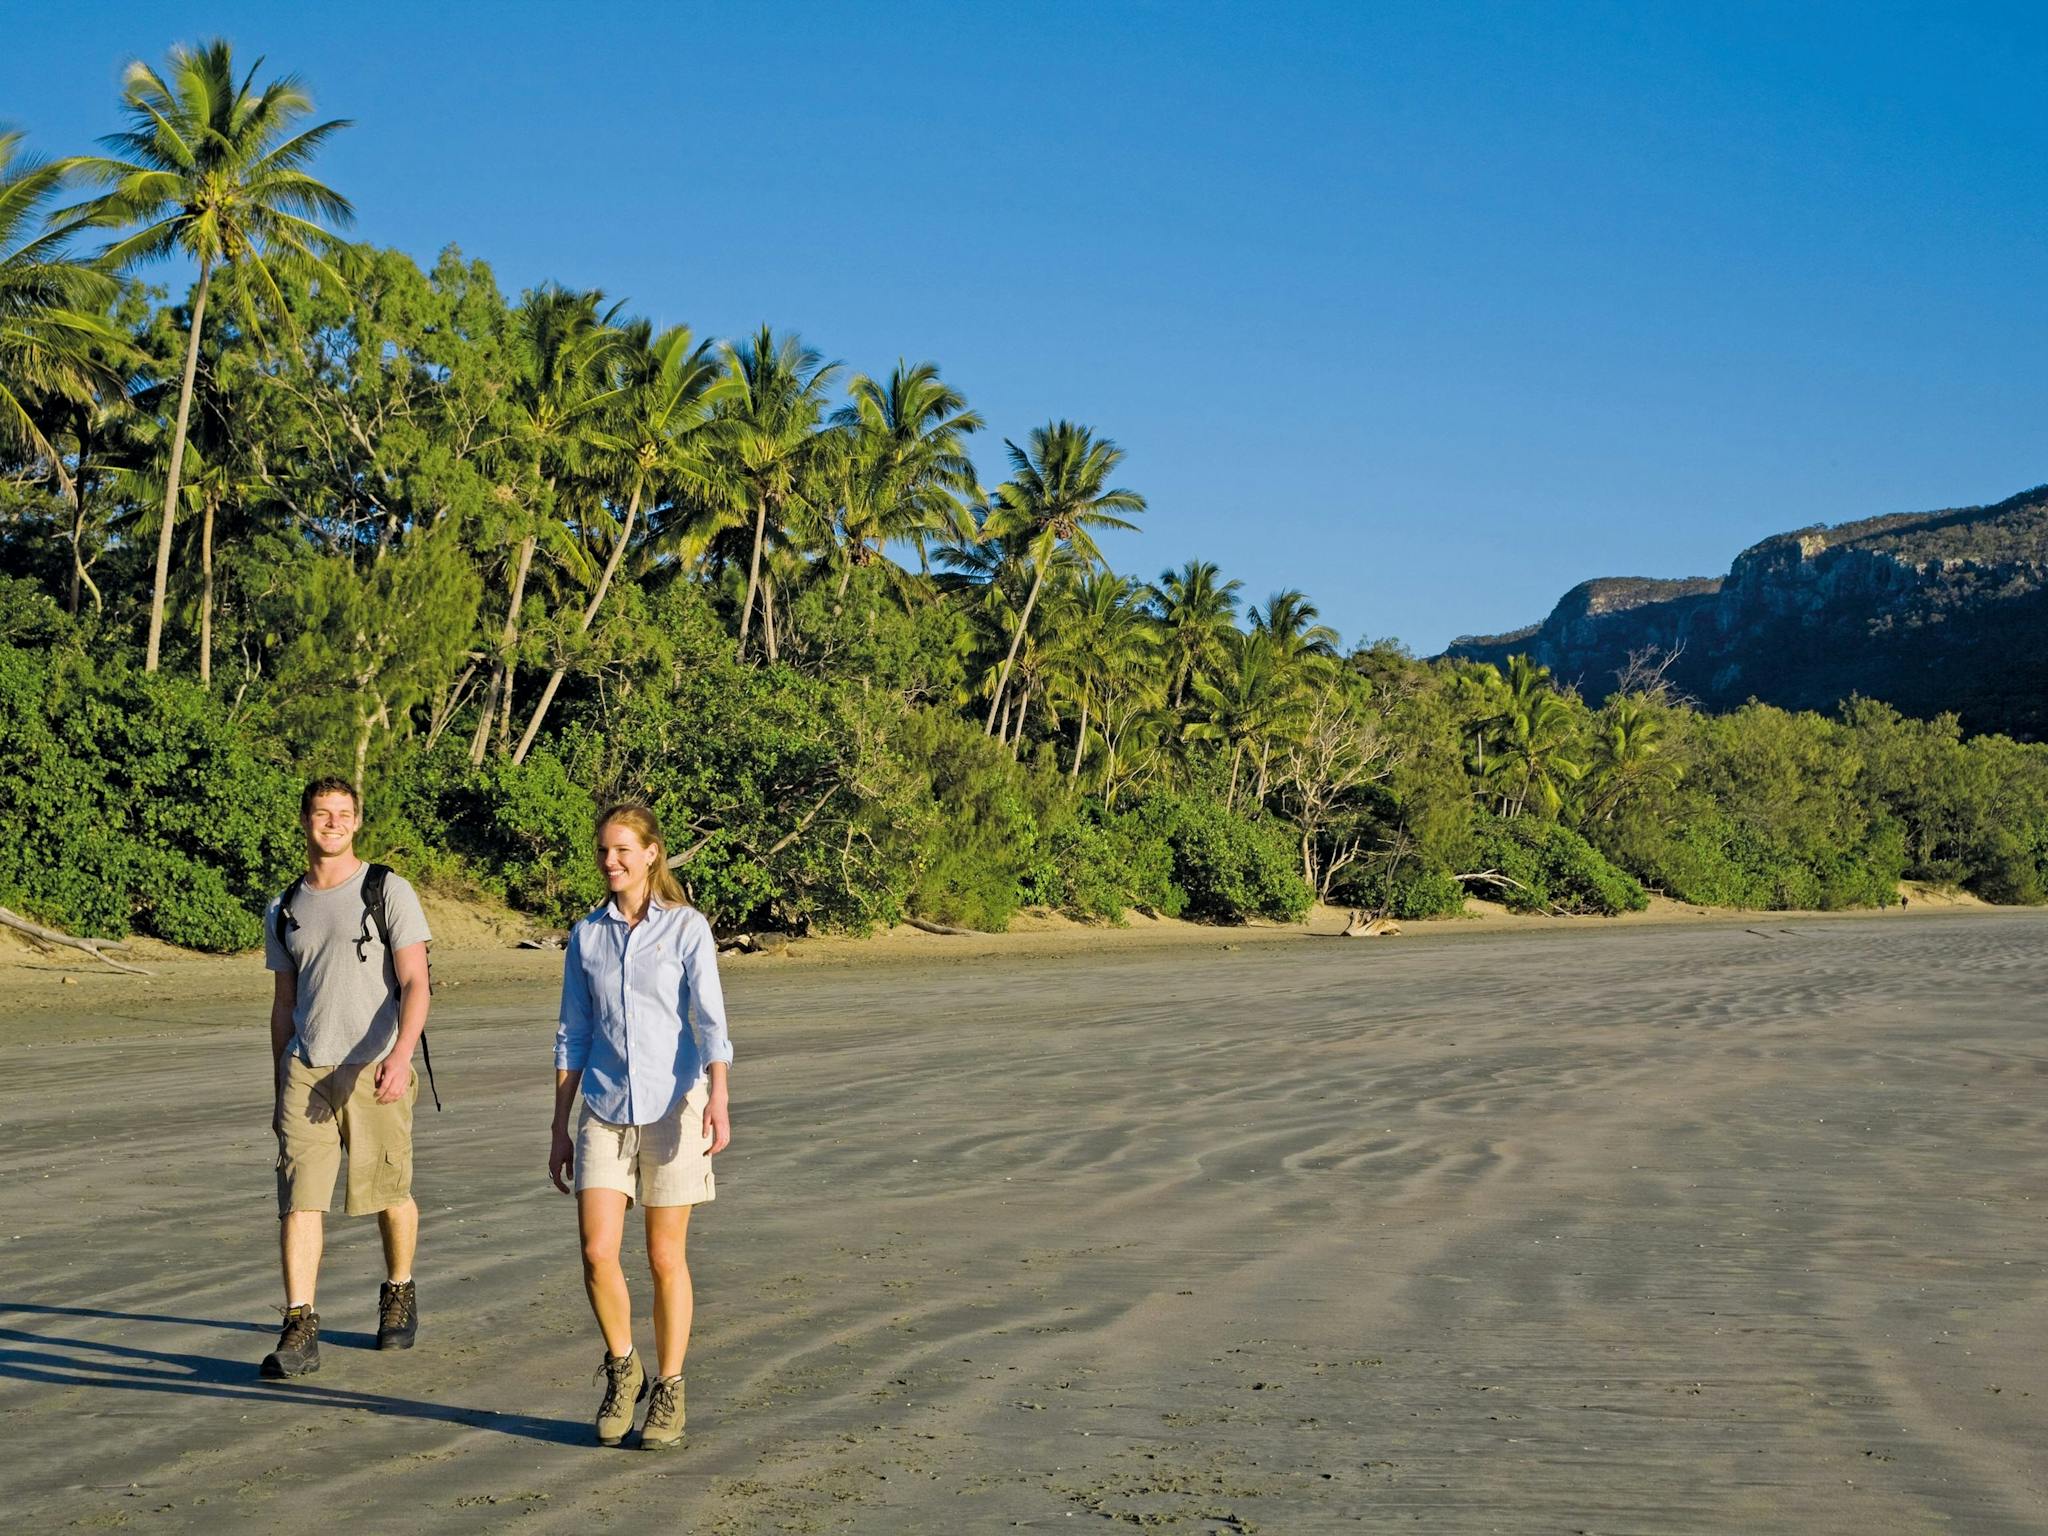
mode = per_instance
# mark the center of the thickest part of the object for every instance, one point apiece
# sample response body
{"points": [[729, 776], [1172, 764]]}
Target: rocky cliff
{"points": [[1930, 611]]}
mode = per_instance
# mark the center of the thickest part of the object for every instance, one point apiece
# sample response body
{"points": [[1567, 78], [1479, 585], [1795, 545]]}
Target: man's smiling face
{"points": [[331, 823]]}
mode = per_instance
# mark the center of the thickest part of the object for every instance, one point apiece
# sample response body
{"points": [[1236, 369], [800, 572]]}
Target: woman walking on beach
{"points": [[643, 1035]]}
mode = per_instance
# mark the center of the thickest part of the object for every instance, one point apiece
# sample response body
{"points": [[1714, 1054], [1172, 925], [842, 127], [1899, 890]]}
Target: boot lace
{"points": [[300, 1329], [395, 1306], [614, 1373], [663, 1406]]}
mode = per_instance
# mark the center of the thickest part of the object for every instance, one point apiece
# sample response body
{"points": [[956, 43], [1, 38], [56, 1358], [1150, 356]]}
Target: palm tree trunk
{"points": [[1230, 797], [1023, 623], [604, 582], [501, 681], [163, 536], [79, 574], [206, 600], [1080, 742], [768, 618], [1016, 733], [753, 572]]}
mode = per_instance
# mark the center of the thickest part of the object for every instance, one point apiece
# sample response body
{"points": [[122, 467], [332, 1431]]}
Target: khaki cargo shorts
{"points": [[666, 1163], [323, 1111]]}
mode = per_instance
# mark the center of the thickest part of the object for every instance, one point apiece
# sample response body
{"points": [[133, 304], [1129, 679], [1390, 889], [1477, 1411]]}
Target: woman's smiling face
{"points": [[625, 860]]}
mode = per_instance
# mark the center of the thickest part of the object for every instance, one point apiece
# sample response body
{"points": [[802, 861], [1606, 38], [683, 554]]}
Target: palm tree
{"points": [[1255, 698], [564, 382], [56, 345], [770, 446], [1289, 619], [657, 436], [212, 169], [1536, 741], [1628, 754], [1105, 646], [1196, 616], [904, 469], [1057, 493], [62, 362]]}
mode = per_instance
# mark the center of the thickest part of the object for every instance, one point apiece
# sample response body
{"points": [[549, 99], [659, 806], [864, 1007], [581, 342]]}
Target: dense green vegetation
{"points": [[503, 560]]}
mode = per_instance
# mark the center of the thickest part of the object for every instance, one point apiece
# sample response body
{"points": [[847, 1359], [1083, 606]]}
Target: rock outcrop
{"points": [[1929, 611]]}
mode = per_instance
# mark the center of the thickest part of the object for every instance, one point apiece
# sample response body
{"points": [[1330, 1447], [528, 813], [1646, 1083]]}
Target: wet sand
{"points": [[1729, 1228]]}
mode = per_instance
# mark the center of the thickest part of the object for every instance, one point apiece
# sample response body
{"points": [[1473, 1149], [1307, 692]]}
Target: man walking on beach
{"points": [[348, 945]]}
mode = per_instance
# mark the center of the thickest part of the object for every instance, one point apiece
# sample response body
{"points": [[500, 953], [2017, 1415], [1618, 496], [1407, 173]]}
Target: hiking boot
{"points": [[664, 1426], [398, 1315], [298, 1347], [625, 1383]]}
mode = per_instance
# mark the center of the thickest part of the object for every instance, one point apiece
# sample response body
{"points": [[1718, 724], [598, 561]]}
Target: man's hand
{"points": [[718, 1118], [394, 1076], [562, 1158]]}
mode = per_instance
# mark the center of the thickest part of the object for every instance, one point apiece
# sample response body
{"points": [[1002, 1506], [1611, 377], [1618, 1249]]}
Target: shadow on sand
{"points": [[63, 1361]]}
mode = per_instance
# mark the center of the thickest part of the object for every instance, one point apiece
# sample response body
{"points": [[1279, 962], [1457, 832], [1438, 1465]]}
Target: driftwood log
{"points": [[1358, 925], [93, 947], [923, 926]]}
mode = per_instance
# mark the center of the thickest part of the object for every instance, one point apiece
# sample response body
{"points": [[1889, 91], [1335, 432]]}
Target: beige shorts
{"points": [[666, 1163], [323, 1111]]}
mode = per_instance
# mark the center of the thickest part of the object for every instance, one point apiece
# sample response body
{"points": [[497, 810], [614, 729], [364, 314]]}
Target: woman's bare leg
{"points": [[601, 1221], [668, 1230]]}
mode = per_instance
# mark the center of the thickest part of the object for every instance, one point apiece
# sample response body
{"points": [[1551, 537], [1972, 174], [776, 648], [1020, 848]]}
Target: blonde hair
{"points": [[661, 880]]}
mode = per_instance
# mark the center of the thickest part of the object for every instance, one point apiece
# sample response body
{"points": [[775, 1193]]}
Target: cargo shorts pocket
{"points": [[391, 1178]]}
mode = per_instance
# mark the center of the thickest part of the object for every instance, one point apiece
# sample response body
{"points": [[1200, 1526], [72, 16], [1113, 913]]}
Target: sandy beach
{"points": [[1737, 1226]]}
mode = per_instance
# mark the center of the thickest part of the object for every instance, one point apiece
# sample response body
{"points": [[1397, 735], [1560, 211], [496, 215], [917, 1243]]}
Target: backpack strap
{"points": [[374, 878], [377, 913], [285, 921]]}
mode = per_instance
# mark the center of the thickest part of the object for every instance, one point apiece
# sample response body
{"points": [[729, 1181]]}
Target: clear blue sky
{"points": [[1429, 309]]}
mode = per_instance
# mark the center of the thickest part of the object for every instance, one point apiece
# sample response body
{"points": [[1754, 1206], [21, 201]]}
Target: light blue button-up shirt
{"points": [[642, 1011]]}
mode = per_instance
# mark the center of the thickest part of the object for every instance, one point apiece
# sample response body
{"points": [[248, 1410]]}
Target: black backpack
{"points": [[374, 878]]}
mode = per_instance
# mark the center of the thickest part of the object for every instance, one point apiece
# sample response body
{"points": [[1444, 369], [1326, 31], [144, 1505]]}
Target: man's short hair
{"points": [[328, 786]]}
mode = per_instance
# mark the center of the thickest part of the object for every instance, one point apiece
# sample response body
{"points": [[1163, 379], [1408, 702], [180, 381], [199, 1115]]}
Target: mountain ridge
{"points": [[1929, 611]]}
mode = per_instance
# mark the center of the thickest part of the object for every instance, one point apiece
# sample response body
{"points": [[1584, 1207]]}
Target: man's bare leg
{"points": [[299, 1239], [399, 1226]]}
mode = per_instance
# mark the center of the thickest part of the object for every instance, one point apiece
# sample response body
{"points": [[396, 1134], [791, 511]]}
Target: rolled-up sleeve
{"points": [[703, 998], [572, 1031]]}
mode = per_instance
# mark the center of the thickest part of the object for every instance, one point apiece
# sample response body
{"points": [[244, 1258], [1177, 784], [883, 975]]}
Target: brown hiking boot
{"points": [[298, 1347], [664, 1426], [398, 1315], [625, 1383]]}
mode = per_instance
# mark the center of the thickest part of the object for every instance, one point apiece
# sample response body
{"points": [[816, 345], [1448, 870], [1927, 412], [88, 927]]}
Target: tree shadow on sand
{"points": [[62, 1361]]}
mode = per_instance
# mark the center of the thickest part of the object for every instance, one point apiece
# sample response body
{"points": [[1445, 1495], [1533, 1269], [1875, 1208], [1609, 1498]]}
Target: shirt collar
{"points": [[610, 910]]}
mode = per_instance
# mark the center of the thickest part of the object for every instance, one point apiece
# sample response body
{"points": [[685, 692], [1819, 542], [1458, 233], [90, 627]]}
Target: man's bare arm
{"points": [[415, 992], [284, 999]]}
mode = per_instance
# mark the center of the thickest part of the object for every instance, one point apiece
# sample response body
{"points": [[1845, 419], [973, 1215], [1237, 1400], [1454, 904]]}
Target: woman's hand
{"points": [[717, 1117], [561, 1158]]}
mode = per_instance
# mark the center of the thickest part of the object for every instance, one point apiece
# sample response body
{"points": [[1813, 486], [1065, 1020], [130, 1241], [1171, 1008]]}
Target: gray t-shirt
{"points": [[347, 1008]]}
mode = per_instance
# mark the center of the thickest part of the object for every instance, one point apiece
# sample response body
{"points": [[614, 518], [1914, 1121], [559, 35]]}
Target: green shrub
{"points": [[1711, 860], [1553, 868], [1226, 867], [1096, 864], [1410, 894], [977, 848], [135, 802]]}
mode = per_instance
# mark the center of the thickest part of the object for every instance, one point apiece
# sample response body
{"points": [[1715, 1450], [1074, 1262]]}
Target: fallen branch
{"points": [[957, 933], [1496, 878], [92, 947]]}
